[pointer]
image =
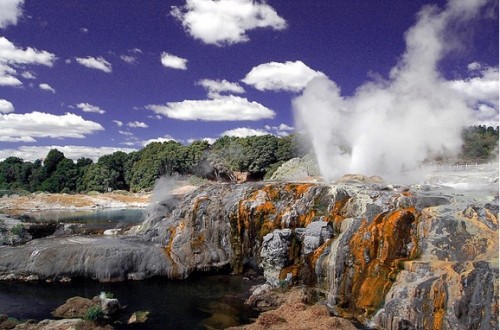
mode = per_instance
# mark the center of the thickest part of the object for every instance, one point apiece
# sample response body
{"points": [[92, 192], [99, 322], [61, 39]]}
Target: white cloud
{"points": [[98, 63], [84, 30], [10, 11], [244, 132], [486, 115], [26, 127], [480, 89], [137, 124], [215, 87], [166, 138], [85, 107], [209, 140], [226, 108], [288, 76], [11, 56], [6, 106], [127, 133], [172, 61], [32, 153], [7, 76], [9, 53], [28, 75], [281, 130], [226, 21], [128, 59], [118, 123], [47, 87]]}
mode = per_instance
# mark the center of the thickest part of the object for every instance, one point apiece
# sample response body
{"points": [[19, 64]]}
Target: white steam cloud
{"points": [[390, 127]]}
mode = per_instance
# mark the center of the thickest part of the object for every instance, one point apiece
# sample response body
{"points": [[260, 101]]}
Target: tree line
{"points": [[138, 170], [258, 156]]}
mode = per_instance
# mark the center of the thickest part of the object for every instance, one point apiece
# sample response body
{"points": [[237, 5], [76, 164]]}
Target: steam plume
{"points": [[388, 127]]}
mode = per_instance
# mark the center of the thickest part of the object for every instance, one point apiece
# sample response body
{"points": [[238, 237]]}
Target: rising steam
{"points": [[389, 127]]}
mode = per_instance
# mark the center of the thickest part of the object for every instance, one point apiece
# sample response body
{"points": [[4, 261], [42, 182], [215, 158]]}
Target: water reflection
{"points": [[215, 301], [105, 219]]}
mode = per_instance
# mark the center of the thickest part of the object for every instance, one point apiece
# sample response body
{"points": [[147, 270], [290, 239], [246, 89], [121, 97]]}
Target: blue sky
{"points": [[93, 77]]}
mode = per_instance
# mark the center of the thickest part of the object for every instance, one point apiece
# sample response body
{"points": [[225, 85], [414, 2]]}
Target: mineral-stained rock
{"points": [[391, 256], [96, 257], [75, 307]]}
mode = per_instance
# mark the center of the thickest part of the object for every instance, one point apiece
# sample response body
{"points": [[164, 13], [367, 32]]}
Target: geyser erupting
{"points": [[391, 126]]}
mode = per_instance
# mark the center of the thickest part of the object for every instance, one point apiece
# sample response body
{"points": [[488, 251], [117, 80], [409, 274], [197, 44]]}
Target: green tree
{"points": [[63, 179], [116, 162], [10, 173], [98, 177], [54, 157]]}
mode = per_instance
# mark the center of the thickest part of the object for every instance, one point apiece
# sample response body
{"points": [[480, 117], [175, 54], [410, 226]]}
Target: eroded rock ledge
{"points": [[391, 256]]}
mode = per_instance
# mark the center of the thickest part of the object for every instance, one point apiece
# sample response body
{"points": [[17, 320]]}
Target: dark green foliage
{"points": [[94, 313], [17, 229], [11, 173], [54, 157], [116, 164], [259, 156], [480, 143]]}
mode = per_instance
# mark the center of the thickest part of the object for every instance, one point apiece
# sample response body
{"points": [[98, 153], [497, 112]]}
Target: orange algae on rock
{"points": [[376, 249]]}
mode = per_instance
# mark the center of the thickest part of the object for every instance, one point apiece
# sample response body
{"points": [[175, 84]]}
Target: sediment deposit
{"points": [[391, 256]]}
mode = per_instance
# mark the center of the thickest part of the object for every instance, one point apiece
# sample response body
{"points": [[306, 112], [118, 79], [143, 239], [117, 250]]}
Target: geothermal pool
{"points": [[185, 304]]}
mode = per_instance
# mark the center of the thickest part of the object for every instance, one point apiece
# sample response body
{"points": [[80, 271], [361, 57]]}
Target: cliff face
{"points": [[393, 257], [390, 257]]}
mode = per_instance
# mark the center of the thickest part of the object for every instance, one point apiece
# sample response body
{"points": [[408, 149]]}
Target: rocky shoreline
{"points": [[390, 256]]}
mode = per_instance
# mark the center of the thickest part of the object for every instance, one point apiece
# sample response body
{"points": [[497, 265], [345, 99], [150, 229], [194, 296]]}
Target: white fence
{"points": [[461, 167]]}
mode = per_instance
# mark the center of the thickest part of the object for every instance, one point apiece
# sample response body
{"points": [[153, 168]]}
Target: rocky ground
{"points": [[43, 201], [390, 255]]}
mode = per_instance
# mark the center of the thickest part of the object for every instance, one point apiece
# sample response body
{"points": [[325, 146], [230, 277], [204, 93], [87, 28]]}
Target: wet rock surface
{"points": [[391, 256]]}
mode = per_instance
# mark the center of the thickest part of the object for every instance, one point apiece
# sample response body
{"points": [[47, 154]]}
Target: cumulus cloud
{"points": [[6, 106], [131, 57], [46, 87], [166, 138], [118, 123], [389, 127], [244, 132], [9, 53], [128, 59], [28, 75], [86, 107], [10, 11], [26, 127], [481, 92], [288, 76], [7, 76], [227, 108], [12, 56], [127, 133], [281, 130], [137, 124], [225, 22], [215, 87], [32, 153], [172, 61], [209, 140], [98, 63]]}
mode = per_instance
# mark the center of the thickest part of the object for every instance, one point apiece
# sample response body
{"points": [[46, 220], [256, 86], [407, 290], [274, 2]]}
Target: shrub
{"points": [[94, 313], [17, 229]]}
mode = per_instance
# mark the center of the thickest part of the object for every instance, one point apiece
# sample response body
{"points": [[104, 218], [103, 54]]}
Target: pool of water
{"points": [[100, 219], [188, 304]]}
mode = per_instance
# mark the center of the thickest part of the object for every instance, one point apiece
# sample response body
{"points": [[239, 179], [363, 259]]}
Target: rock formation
{"points": [[394, 257]]}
